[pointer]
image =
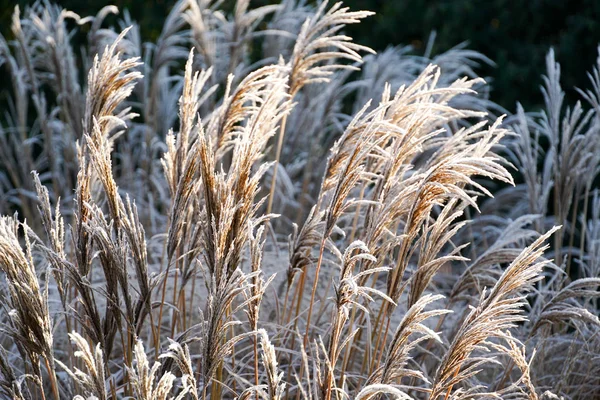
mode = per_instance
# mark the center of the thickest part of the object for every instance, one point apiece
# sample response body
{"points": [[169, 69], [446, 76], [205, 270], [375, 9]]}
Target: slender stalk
{"points": [[190, 307], [160, 310], [350, 356], [314, 290], [377, 340], [176, 312], [348, 351], [572, 233], [156, 328], [452, 384], [277, 158], [285, 304], [53, 382], [312, 300], [256, 378], [298, 294]]}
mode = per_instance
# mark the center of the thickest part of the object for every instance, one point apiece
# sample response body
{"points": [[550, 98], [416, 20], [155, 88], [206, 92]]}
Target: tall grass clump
{"points": [[257, 207]]}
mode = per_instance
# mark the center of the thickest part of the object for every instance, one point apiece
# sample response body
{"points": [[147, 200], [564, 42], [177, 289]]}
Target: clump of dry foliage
{"points": [[316, 222]]}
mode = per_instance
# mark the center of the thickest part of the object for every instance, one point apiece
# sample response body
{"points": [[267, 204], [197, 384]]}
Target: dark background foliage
{"points": [[516, 35]]}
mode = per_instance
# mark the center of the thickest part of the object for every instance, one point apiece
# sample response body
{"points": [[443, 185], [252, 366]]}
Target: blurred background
{"points": [[516, 35]]}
